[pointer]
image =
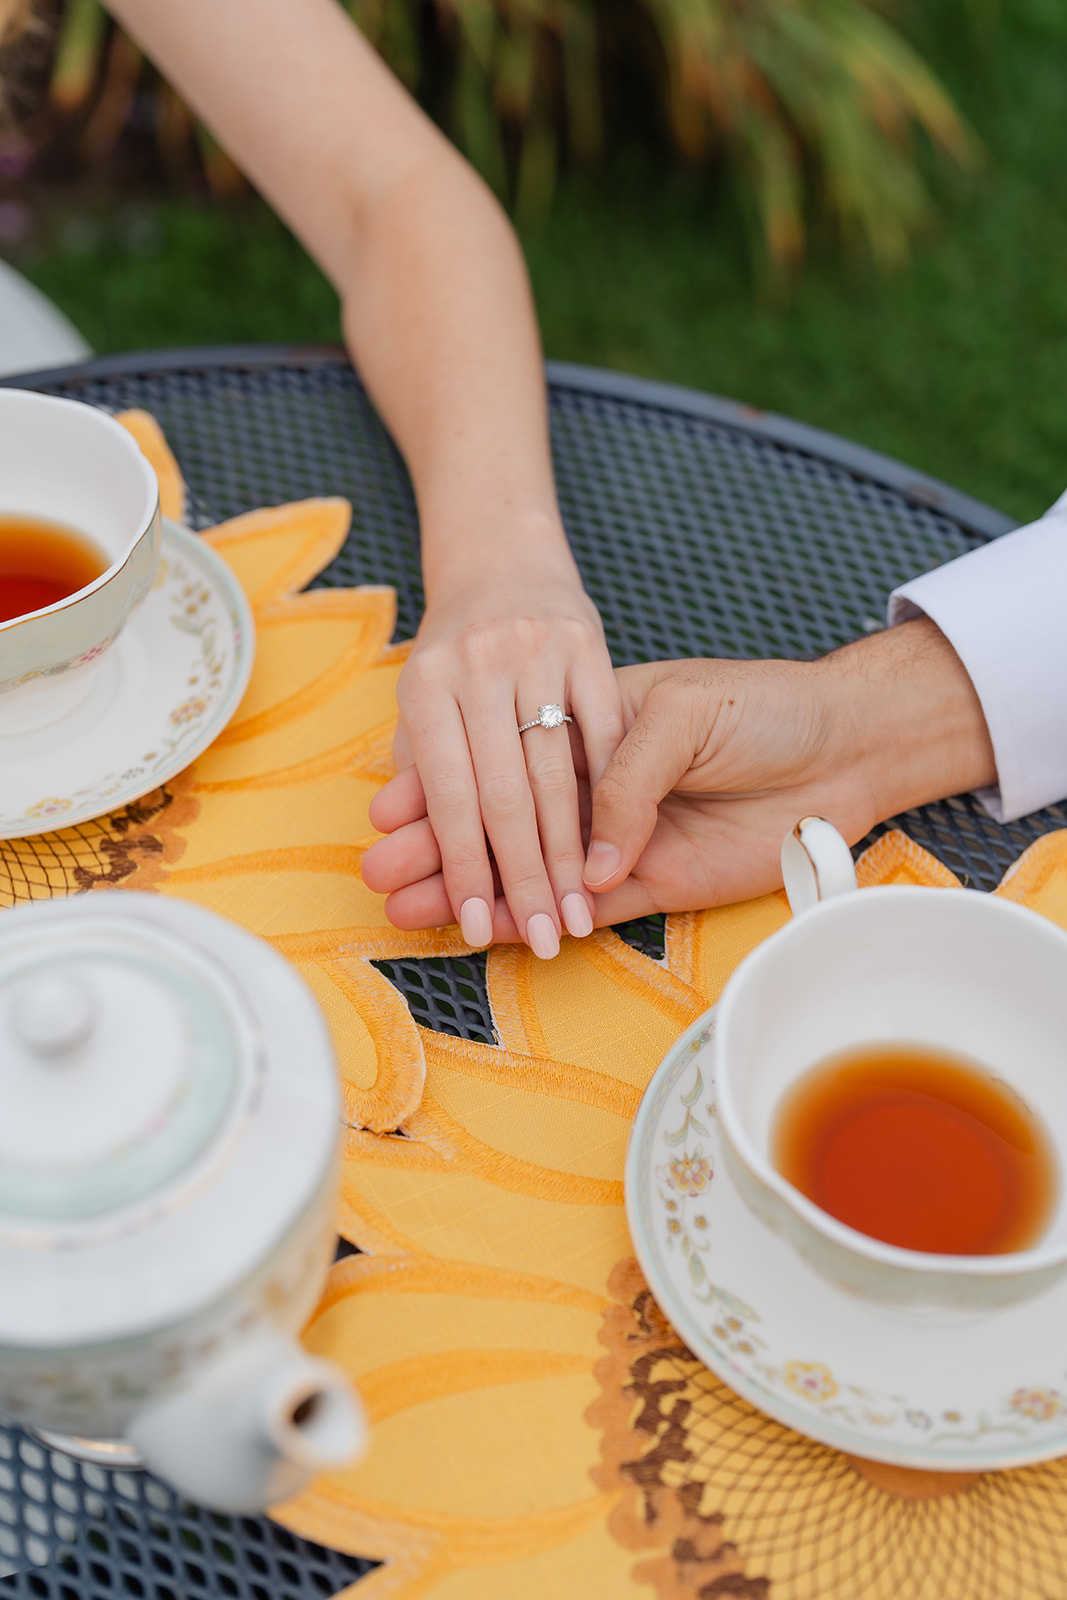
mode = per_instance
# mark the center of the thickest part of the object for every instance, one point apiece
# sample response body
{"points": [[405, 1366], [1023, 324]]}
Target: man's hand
{"points": [[720, 759]]}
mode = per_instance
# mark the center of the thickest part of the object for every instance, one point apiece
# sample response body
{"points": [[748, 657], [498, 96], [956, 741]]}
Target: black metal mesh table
{"points": [[702, 528]]}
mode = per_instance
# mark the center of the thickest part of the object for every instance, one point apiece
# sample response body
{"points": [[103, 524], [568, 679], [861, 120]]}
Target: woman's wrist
{"points": [[511, 550], [908, 716]]}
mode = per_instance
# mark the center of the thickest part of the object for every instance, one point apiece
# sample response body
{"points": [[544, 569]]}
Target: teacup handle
{"points": [[816, 864]]}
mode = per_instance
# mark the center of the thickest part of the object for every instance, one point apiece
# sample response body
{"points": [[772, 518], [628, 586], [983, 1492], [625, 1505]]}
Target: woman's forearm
{"points": [[439, 314], [435, 300]]}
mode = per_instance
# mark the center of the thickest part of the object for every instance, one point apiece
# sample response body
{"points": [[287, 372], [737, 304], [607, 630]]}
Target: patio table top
{"points": [[702, 527]]}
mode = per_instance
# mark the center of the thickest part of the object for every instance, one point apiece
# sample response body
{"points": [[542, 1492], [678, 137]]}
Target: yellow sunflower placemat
{"points": [[539, 1432]]}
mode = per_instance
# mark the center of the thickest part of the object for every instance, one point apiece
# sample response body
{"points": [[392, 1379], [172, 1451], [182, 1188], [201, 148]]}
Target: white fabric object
{"points": [[33, 332], [1003, 608]]}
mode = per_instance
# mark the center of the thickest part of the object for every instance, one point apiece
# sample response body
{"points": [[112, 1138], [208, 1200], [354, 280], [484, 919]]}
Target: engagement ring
{"points": [[547, 717]]}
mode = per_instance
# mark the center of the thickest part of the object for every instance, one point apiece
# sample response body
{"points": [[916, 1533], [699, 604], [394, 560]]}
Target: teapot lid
{"points": [[169, 1099], [121, 1053]]}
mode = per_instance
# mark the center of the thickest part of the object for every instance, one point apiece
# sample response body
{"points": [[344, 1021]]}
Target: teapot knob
{"points": [[52, 1014]]}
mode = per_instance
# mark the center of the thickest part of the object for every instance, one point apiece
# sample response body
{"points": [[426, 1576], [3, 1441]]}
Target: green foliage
{"points": [[955, 366], [807, 108], [183, 272], [98, 86]]}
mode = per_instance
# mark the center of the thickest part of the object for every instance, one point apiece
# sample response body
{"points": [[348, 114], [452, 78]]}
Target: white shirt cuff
{"points": [[1003, 608]]}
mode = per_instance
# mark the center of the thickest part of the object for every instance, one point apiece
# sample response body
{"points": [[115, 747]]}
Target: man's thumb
{"points": [[645, 767]]}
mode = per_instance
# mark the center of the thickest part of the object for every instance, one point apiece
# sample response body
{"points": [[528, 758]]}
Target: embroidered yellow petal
{"points": [[473, 1362], [149, 435]]}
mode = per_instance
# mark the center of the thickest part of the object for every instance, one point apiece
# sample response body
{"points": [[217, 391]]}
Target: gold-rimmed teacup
{"points": [[66, 463], [949, 971]]}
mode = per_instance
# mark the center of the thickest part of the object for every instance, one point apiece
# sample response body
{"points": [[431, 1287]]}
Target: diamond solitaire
{"points": [[547, 717]]}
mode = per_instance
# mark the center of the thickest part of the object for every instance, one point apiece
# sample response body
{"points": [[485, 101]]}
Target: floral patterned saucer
{"points": [[165, 689], [960, 1391]]}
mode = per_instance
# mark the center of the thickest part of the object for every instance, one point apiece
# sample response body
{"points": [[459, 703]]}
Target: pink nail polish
{"points": [[542, 937], [476, 922], [600, 863], [577, 915]]}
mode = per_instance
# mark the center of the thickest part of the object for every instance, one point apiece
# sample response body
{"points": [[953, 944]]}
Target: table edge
{"points": [[974, 516]]}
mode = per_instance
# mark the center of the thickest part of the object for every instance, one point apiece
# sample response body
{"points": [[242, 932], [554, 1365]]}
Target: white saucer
{"points": [[151, 704], [958, 1391]]}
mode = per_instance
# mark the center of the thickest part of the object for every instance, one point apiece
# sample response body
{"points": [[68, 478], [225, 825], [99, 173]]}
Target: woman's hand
{"points": [[721, 759], [522, 633]]}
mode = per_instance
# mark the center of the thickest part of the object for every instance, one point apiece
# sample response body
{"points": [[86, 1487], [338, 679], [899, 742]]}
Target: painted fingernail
{"points": [[600, 863], [542, 937], [577, 915], [476, 922]]}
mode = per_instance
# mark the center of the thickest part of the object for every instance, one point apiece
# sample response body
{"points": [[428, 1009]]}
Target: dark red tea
{"points": [[42, 562], [920, 1149]]}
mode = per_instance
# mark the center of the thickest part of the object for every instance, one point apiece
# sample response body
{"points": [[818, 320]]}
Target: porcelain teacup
{"points": [[949, 970], [68, 463]]}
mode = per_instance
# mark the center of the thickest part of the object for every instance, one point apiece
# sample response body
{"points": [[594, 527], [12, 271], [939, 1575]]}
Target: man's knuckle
{"points": [[612, 791]]}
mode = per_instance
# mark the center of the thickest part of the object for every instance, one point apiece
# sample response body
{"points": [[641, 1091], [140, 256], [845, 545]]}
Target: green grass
{"points": [[179, 272], [955, 365]]}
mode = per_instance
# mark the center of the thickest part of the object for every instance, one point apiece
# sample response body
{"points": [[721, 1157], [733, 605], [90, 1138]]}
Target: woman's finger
{"points": [[451, 791], [550, 768], [510, 817], [597, 707]]}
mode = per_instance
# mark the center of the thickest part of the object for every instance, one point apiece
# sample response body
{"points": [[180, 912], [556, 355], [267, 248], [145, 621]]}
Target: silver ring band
{"points": [[547, 717]]}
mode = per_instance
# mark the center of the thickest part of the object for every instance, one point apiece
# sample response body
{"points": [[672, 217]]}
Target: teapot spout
{"points": [[252, 1427]]}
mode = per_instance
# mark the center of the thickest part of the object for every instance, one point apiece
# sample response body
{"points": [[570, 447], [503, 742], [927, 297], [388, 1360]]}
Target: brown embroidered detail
{"points": [[723, 1503], [646, 1413], [131, 847]]}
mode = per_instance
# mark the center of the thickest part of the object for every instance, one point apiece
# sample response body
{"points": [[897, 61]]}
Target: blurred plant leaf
{"points": [[576, 26], [123, 65], [224, 177], [537, 174], [812, 101], [393, 31], [809, 107], [14, 21], [78, 54]]}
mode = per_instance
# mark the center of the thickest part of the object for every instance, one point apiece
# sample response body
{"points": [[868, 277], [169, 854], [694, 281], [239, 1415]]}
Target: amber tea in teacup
{"points": [[919, 1148], [42, 562]]}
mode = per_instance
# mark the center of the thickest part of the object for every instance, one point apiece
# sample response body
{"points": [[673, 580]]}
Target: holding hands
{"points": [[719, 760]]}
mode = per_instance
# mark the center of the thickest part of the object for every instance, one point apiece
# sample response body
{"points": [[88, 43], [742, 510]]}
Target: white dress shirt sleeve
{"points": [[1003, 608]]}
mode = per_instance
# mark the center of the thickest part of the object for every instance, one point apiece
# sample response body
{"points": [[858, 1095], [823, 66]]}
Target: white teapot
{"points": [[168, 1163]]}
